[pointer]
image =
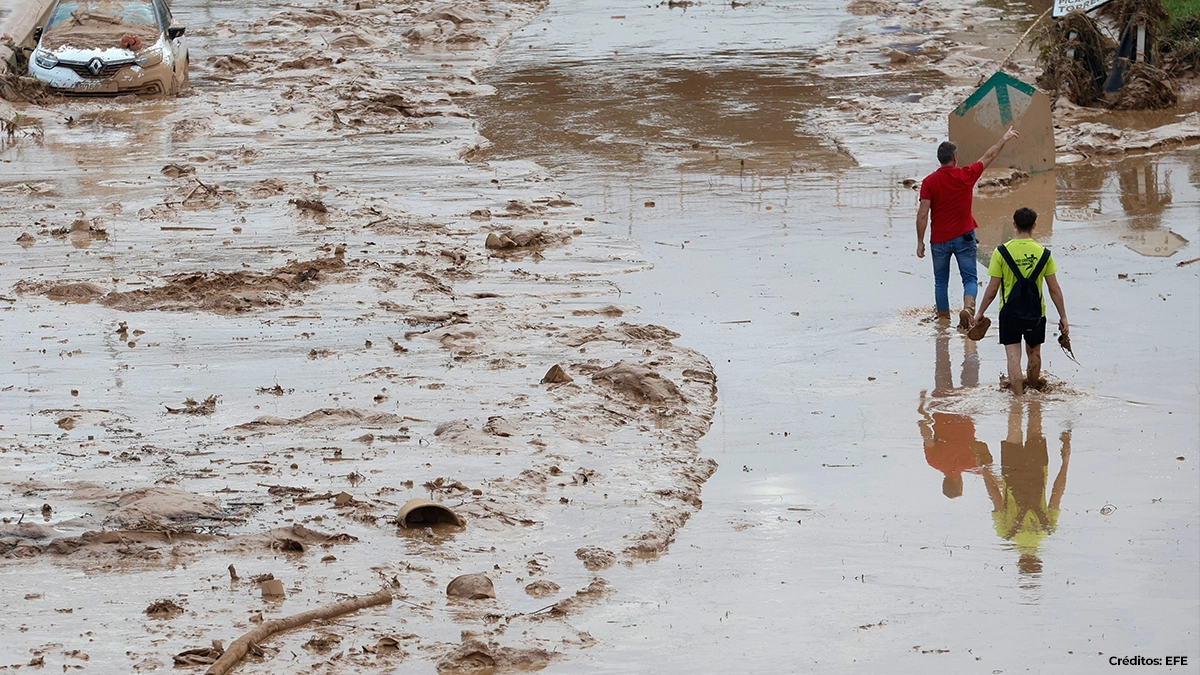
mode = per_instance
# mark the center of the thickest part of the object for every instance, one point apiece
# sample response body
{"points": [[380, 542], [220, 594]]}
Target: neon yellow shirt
{"points": [[1026, 253]]}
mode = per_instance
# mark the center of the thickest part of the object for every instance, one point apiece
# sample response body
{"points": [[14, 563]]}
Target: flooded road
{"points": [[873, 510], [246, 325]]}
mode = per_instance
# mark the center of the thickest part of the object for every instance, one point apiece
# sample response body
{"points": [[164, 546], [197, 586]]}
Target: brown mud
{"points": [[852, 525], [766, 188], [289, 235]]}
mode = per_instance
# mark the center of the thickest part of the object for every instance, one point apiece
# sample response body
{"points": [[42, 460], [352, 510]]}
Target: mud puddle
{"points": [[870, 507]]}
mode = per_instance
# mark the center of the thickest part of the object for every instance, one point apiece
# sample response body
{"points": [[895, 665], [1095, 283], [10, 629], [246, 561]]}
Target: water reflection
{"points": [[1142, 192], [950, 443], [1135, 193], [1020, 512], [994, 211], [1145, 194]]}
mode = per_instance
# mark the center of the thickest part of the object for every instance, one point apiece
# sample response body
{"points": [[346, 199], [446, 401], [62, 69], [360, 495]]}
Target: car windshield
{"points": [[81, 12]]}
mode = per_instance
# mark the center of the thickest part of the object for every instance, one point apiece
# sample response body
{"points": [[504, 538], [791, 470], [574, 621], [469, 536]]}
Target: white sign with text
{"points": [[1062, 7]]}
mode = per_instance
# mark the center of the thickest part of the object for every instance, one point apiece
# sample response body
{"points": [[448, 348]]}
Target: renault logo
{"points": [[95, 66]]}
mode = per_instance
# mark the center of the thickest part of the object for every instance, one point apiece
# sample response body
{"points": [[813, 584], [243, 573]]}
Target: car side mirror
{"points": [[175, 32], [37, 34]]}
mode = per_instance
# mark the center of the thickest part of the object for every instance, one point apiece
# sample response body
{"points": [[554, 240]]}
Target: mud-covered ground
{"points": [[246, 325]]}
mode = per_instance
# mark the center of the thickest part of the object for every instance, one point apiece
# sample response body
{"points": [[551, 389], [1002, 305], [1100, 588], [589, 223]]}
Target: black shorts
{"points": [[1012, 330]]}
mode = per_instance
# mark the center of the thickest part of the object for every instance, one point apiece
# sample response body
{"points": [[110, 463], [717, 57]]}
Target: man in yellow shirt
{"points": [[1019, 266]]}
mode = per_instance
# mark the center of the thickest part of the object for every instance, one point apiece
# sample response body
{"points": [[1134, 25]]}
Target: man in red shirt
{"points": [[946, 196]]}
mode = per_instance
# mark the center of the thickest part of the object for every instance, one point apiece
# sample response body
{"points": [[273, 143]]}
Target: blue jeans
{"points": [[964, 249]]}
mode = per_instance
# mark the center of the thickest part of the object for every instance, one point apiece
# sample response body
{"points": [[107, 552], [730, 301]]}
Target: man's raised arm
{"points": [[990, 155]]}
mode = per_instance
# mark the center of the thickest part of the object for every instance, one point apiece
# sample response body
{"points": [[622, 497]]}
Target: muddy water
{"points": [[219, 308], [833, 536]]}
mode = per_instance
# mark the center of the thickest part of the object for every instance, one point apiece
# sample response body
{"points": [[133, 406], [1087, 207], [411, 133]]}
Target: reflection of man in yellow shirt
{"points": [[1020, 511]]}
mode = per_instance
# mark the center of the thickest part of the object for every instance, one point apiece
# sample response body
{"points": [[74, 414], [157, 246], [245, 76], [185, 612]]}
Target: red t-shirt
{"points": [[949, 191]]}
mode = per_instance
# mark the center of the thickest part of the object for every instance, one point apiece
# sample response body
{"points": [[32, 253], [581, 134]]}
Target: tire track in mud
{"points": [[298, 245]]}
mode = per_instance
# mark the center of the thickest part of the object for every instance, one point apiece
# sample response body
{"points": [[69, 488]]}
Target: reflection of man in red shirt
{"points": [[946, 200], [950, 447]]}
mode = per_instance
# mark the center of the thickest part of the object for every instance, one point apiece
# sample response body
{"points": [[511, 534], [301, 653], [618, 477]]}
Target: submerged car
{"points": [[111, 48]]}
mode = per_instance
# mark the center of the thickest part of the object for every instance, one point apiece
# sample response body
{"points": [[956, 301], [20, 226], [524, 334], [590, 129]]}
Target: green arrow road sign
{"points": [[1001, 102]]}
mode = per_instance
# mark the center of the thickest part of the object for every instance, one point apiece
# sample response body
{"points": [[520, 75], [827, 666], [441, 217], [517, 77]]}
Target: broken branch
{"points": [[237, 651]]}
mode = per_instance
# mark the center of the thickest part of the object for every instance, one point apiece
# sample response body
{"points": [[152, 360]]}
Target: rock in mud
{"points": [[476, 586], [638, 383]]}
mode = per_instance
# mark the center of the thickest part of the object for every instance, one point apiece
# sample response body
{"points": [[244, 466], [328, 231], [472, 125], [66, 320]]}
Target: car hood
{"points": [[80, 55], [76, 43]]}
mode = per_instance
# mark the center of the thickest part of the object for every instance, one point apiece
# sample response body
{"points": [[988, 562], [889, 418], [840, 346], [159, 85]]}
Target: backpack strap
{"points": [[1037, 270], [1041, 265]]}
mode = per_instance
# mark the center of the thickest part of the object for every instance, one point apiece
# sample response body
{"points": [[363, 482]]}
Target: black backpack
{"points": [[1024, 302]]}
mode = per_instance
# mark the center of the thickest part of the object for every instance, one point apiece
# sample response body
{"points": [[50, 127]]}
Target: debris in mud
{"points": [[323, 642], [148, 506], [202, 656], [543, 588], [223, 292], [328, 417], [81, 292], [424, 513], [314, 205], [230, 64], [385, 645], [163, 607], [585, 597], [525, 239], [1002, 178], [1075, 67], [19, 89], [177, 170], [476, 586], [1146, 88], [192, 407], [498, 426], [595, 558], [272, 588], [1064, 343], [249, 642], [556, 375], [476, 657], [26, 240], [274, 391], [639, 383]]}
